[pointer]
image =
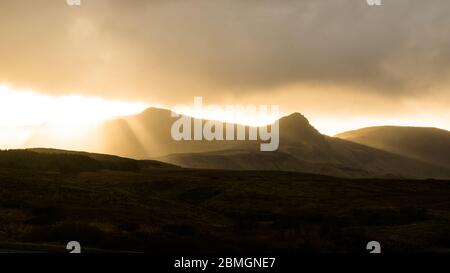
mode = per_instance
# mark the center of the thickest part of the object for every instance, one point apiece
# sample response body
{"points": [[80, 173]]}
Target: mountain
{"points": [[304, 149], [421, 143], [148, 135]]}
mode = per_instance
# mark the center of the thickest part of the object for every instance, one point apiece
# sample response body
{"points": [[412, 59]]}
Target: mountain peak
{"points": [[296, 126], [297, 117]]}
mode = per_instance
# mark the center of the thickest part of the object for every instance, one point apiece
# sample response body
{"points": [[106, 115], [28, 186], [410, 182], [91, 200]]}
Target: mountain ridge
{"points": [[302, 148]]}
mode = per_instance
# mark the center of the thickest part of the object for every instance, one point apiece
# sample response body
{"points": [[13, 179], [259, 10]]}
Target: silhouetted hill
{"points": [[426, 144], [72, 162]]}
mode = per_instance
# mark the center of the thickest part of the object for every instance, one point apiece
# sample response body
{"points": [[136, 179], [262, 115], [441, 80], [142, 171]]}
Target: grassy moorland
{"points": [[215, 211]]}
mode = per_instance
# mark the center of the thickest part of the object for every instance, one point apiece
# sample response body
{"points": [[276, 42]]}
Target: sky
{"points": [[341, 63]]}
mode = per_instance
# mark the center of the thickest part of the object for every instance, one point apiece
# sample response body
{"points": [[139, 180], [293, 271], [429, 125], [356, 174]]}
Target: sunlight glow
{"points": [[24, 111], [31, 108]]}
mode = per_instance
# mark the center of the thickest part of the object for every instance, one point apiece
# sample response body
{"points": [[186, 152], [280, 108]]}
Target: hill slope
{"points": [[73, 162], [426, 144]]}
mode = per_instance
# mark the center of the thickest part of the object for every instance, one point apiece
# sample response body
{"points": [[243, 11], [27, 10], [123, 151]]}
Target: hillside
{"points": [[426, 144], [216, 211], [72, 162]]}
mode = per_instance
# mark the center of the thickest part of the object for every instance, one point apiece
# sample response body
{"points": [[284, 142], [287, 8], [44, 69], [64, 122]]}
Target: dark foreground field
{"points": [[176, 210]]}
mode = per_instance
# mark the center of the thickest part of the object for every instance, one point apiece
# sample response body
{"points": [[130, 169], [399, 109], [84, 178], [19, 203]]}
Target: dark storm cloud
{"points": [[145, 49]]}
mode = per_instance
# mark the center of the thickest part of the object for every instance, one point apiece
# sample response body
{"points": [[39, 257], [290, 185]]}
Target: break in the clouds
{"points": [[169, 51]]}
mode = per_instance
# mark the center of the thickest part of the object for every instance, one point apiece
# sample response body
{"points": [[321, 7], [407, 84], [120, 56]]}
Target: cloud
{"points": [[171, 50]]}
